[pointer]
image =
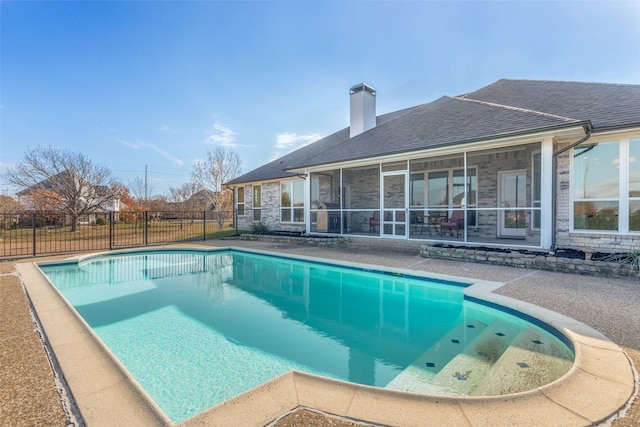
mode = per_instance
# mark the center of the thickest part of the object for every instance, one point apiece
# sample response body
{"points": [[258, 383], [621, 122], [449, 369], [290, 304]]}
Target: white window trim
{"points": [[243, 203], [253, 208], [292, 207]]}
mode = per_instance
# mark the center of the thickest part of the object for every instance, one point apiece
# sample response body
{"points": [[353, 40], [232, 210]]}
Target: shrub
{"points": [[259, 228], [100, 221]]}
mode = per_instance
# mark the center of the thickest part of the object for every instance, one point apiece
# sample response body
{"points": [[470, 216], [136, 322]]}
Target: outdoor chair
{"points": [[455, 222], [374, 221]]}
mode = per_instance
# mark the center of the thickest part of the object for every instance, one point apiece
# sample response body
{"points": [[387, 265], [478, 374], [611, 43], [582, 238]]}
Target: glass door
{"points": [[513, 199], [394, 205]]}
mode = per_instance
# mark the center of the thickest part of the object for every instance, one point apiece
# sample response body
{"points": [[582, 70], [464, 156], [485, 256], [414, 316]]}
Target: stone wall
{"points": [[309, 241], [528, 259]]}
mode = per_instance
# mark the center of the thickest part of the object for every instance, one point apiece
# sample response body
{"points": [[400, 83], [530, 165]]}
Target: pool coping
{"points": [[598, 386]]}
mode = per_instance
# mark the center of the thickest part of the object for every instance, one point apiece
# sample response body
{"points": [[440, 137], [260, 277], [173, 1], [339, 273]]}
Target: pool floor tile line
{"points": [[600, 383]]}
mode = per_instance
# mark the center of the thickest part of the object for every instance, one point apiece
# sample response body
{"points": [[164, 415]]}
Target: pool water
{"points": [[198, 328]]}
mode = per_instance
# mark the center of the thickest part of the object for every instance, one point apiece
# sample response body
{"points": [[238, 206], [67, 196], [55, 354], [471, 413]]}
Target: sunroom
{"points": [[480, 196]]}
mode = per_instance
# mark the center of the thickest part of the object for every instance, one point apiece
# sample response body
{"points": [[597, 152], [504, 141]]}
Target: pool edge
{"points": [[601, 373], [101, 388]]}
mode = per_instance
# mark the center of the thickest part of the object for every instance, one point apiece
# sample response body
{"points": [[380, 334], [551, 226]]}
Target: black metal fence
{"points": [[40, 233]]}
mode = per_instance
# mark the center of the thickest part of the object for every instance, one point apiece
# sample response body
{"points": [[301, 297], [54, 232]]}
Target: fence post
{"points": [[146, 228], [110, 230], [204, 225], [33, 223]]}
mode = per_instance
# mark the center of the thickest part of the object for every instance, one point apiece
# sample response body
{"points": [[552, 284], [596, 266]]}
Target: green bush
{"points": [[100, 221], [259, 228]]}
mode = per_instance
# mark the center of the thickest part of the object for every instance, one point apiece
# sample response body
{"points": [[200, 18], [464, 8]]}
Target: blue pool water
{"points": [[197, 328]]}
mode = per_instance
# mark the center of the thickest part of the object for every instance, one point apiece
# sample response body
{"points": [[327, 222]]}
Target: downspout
{"points": [[233, 207], [554, 173]]}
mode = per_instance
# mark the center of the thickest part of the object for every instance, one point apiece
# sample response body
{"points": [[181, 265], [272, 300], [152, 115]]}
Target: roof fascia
{"points": [[260, 182], [576, 130], [616, 130]]}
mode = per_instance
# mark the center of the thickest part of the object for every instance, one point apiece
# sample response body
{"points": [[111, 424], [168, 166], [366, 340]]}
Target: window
{"points": [[416, 183], [240, 201], [596, 184], [257, 203], [446, 188], [634, 184], [292, 201], [438, 189], [536, 197]]}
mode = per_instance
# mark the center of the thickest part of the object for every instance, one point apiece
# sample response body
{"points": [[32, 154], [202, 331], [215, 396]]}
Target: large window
{"points": [[240, 202], [596, 186], [257, 203], [292, 201]]}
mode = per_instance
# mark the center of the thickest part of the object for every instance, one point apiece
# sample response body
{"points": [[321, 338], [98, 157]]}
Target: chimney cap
{"points": [[362, 87]]}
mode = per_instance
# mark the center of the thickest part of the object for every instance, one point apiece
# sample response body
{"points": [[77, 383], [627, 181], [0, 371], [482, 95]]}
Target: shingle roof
{"points": [[278, 168], [506, 107], [605, 105]]}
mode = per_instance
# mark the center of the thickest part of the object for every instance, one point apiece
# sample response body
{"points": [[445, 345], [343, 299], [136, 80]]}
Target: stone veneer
{"points": [[528, 259], [505, 257], [309, 241]]}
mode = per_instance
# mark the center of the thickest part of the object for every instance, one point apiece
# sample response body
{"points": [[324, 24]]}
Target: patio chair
{"points": [[455, 222], [374, 222]]}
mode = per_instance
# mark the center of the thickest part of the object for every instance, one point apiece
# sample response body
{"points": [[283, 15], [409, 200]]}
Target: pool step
{"points": [[467, 370], [416, 377], [530, 361]]}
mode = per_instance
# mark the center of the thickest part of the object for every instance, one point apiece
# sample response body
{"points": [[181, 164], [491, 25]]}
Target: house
{"points": [[533, 164], [64, 188]]}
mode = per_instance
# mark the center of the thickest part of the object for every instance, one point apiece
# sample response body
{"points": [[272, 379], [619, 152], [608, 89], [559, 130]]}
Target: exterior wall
{"points": [[270, 210], [362, 193], [245, 221]]}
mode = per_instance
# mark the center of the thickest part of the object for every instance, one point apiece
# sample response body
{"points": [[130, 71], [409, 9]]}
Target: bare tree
{"points": [[221, 166], [71, 180], [182, 194], [140, 189]]}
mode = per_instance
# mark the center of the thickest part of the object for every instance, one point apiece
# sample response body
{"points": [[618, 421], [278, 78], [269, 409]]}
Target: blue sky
{"points": [[157, 83]]}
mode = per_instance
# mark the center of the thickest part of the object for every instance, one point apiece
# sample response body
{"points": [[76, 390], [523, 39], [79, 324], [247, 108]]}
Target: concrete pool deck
{"points": [[598, 386]]}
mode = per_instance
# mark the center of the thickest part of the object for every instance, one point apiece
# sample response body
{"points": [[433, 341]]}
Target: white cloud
{"points": [[288, 142], [152, 147], [223, 136]]}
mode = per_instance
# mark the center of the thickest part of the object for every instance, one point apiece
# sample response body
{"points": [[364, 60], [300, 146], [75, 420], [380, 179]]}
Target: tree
{"points": [[140, 189], [72, 180], [9, 205], [182, 196], [222, 165]]}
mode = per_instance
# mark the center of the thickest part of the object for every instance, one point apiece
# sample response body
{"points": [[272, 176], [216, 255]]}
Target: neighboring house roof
{"points": [[202, 199], [504, 108], [47, 184]]}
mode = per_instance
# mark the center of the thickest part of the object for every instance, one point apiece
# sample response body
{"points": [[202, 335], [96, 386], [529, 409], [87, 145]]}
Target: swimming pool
{"points": [[218, 323]]}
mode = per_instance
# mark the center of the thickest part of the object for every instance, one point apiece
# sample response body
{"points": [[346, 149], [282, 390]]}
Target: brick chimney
{"points": [[363, 108]]}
